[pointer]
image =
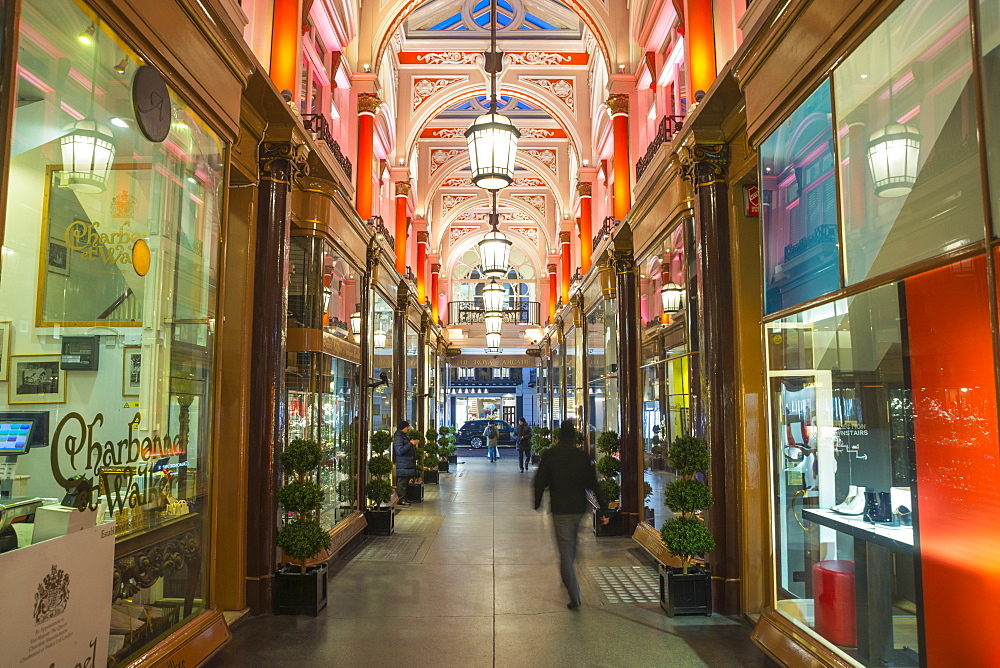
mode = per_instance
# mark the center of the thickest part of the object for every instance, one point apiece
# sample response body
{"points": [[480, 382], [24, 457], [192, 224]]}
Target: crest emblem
{"points": [[52, 595]]}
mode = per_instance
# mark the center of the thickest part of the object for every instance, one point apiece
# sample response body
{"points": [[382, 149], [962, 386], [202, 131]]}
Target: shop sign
{"points": [[495, 361], [114, 248], [751, 200], [56, 600]]}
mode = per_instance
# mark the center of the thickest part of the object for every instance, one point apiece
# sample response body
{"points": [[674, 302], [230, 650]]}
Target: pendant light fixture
{"points": [[494, 249], [494, 321], [672, 296], [378, 338], [493, 296], [356, 323], [88, 147], [492, 137], [894, 151], [493, 341]]}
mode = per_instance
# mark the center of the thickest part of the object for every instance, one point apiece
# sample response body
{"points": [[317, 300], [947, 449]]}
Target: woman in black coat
{"points": [[522, 434]]}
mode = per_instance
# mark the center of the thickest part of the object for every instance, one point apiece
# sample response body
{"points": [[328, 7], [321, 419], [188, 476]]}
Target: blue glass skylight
{"points": [[449, 23]]}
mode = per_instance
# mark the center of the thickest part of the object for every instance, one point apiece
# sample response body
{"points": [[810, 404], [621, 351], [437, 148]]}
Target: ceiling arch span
{"points": [[390, 17], [459, 210], [447, 97], [449, 168], [467, 244]]}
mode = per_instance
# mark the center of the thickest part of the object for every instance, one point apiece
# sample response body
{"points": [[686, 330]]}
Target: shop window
{"points": [[909, 149], [412, 378], [322, 287], [382, 338], [989, 29], [107, 318], [800, 214]]}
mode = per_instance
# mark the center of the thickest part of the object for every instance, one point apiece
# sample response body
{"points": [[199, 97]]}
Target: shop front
{"points": [[880, 299], [109, 322]]}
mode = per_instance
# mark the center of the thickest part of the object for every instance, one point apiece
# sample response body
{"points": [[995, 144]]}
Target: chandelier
{"points": [[494, 249], [492, 137], [493, 296], [493, 320], [893, 153]]}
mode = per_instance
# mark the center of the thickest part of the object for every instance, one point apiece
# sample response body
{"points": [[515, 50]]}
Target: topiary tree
{"points": [[540, 440], [302, 537], [379, 489], [686, 535], [431, 452], [431, 434], [609, 466], [446, 442]]}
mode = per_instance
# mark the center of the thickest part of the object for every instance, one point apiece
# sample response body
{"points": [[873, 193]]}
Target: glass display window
{"points": [[908, 143], [663, 267], [989, 31], [799, 212], [382, 338], [107, 312], [412, 366], [322, 287]]}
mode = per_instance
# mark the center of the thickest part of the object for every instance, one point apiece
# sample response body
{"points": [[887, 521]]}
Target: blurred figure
{"points": [[492, 436], [406, 462], [522, 434], [566, 471]]}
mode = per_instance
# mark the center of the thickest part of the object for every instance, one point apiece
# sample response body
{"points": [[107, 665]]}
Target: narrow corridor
{"points": [[470, 578]]}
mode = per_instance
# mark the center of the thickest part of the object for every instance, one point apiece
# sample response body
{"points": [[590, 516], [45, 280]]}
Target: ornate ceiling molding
{"points": [[449, 58], [458, 232], [449, 202], [546, 156], [446, 133], [526, 182], [545, 58], [460, 182], [530, 232], [439, 156], [536, 201], [561, 88], [423, 88]]}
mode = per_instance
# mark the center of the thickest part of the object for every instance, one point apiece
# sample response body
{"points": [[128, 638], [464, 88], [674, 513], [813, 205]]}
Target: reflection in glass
{"points": [[382, 340]]}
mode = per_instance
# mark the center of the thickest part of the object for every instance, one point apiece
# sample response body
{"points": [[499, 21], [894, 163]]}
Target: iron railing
{"points": [[669, 126], [824, 234], [378, 226], [605, 230], [320, 127], [473, 312]]}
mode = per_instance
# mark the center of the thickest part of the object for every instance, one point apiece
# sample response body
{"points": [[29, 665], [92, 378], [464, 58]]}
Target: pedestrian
{"points": [[522, 434], [492, 436], [567, 472], [406, 460]]}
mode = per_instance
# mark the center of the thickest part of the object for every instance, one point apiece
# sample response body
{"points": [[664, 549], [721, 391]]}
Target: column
{"points": [[629, 382], [399, 355], [705, 166], [699, 45], [566, 259], [286, 45], [435, 297], [368, 104], [280, 163], [618, 104], [585, 190], [422, 243], [553, 289], [402, 198]]}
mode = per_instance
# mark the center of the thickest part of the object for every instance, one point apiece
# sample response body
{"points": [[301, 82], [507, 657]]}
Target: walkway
{"points": [[470, 579]]}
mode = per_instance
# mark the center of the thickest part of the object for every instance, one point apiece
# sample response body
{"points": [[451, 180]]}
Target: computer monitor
{"points": [[23, 430]]}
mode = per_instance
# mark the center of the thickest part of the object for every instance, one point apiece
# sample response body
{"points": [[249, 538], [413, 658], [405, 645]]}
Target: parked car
{"points": [[471, 433]]}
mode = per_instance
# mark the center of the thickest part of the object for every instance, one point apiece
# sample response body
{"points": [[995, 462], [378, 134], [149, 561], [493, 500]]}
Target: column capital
{"points": [[564, 237], [551, 268], [403, 188], [704, 164], [422, 237], [585, 189], [435, 268], [368, 103], [284, 160], [618, 104]]}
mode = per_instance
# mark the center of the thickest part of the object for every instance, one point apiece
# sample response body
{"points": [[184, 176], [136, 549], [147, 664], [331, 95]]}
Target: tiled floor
{"points": [[470, 579]]}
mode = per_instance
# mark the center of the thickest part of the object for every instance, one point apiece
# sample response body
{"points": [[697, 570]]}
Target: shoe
{"points": [[573, 605], [852, 493], [403, 503], [855, 507]]}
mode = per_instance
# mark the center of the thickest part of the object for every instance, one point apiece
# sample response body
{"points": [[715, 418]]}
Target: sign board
{"points": [[751, 200], [495, 361], [57, 600]]}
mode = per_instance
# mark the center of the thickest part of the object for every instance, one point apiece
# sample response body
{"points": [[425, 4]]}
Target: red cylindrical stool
{"points": [[833, 592]]}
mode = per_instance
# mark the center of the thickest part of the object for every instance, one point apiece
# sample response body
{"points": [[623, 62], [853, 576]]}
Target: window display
{"points": [[382, 338], [412, 380], [108, 294]]}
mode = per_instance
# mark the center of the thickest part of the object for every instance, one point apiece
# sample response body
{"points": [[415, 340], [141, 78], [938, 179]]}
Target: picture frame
{"points": [[6, 327], [57, 257], [36, 379], [131, 370]]}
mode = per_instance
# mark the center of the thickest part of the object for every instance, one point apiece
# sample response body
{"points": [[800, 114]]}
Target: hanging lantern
{"points": [[493, 320], [356, 324], [88, 151], [493, 296], [672, 296], [494, 254], [379, 338], [893, 153], [493, 340], [492, 147]]}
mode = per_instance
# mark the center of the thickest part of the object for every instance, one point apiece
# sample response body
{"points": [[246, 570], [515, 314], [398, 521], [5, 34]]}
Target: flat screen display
{"points": [[15, 437]]}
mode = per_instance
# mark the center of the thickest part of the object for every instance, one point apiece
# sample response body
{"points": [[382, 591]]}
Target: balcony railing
{"points": [[605, 229], [669, 126], [320, 127], [379, 228], [473, 312]]}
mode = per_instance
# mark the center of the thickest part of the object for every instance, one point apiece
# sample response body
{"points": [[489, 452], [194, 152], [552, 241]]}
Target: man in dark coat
{"points": [[406, 461], [566, 471], [522, 434]]}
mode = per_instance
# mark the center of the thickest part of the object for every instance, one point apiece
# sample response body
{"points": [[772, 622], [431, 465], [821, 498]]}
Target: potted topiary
{"points": [[415, 490], [687, 590], [449, 444], [298, 588], [610, 468], [540, 442], [431, 459], [444, 465], [379, 515]]}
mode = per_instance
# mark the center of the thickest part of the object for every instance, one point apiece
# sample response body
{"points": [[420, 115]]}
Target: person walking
{"points": [[522, 434], [406, 461], [492, 436], [567, 472]]}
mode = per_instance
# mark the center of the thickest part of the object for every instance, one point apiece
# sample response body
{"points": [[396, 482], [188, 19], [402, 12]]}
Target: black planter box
{"points": [[689, 594], [535, 458], [296, 593], [443, 466], [381, 522], [430, 478], [415, 493], [612, 528], [453, 459]]}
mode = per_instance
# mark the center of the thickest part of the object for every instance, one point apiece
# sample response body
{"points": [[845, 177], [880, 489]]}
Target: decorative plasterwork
{"points": [[530, 232], [449, 133], [458, 232], [546, 156], [424, 88], [537, 133], [459, 182], [439, 156], [536, 58], [537, 201], [450, 58], [525, 182], [449, 202], [516, 217], [561, 88]]}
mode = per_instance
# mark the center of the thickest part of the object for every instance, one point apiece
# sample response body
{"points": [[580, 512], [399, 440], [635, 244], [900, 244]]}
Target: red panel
{"points": [[958, 462]]}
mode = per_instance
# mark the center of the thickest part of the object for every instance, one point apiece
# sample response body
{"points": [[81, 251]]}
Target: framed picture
{"points": [[58, 257], [131, 370], [5, 330], [36, 379]]}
